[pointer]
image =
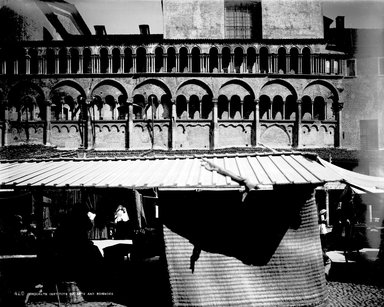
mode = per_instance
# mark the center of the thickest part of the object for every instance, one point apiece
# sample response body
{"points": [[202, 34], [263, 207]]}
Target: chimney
{"points": [[144, 29], [100, 30], [340, 22]]}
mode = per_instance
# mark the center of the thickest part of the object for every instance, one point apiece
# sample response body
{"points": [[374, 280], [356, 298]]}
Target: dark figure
{"points": [[342, 230], [78, 259]]}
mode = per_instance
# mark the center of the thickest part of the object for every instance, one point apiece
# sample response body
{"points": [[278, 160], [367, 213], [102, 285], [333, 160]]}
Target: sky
{"points": [[124, 16]]}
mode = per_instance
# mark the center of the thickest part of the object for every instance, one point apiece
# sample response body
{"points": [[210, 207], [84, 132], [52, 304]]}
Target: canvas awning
{"points": [[167, 172], [370, 184]]}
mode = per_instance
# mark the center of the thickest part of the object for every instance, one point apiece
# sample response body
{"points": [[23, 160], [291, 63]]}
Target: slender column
{"points": [[232, 63], [93, 64], [177, 62], [245, 63], [201, 62], [337, 108], [3, 67], [122, 64], [165, 62], [6, 127], [269, 63], [275, 66], [257, 64], [129, 127], [28, 65], [242, 109], [69, 66], [312, 64], [215, 125], [173, 135], [220, 63], [312, 115], [81, 64], [109, 63], [256, 125], [327, 204], [287, 63], [134, 59], [208, 64], [47, 125], [298, 141], [189, 63], [15, 67], [300, 58]]}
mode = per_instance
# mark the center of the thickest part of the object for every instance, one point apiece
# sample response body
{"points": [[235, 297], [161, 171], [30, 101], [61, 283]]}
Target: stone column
{"points": [[81, 64], [337, 108], [220, 63], [257, 64], [47, 125], [215, 125], [177, 62], [173, 126], [27, 65], [15, 67], [69, 64], [297, 136], [189, 62], [6, 126], [165, 62], [256, 125], [300, 64], [134, 64], [122, 65], [129, 126], [93, 64], [110, 63]]}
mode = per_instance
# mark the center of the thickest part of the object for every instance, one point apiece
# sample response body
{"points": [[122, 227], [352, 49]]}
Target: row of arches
{"points": [[193, 60], [193, 99]]}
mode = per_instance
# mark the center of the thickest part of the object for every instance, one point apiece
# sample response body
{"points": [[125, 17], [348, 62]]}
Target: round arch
{"points": [[193, 87], [312, 90], [69, 83], [109, 83], [151, 87], [240, 87], [282, 84]]}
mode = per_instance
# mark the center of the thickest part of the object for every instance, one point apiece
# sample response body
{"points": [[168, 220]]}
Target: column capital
{"points": [[298, 101], [337, 106]]}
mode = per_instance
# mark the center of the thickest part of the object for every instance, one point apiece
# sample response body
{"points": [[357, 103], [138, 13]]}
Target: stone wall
{"points": [[294, 19], [193, 19]]}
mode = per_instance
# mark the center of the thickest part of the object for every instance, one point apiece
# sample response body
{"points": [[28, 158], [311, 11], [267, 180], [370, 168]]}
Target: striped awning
{"points": [[167, 172]]}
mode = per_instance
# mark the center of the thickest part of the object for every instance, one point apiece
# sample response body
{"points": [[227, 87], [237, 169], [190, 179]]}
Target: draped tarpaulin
{"points": [[264, 252]]}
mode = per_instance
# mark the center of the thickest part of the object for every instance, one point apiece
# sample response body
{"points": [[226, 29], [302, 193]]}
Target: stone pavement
{"points": [[358, 282]]}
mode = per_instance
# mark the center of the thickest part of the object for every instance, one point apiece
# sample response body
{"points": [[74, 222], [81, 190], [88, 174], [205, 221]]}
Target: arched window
{"points": [[206, 107], [158, 59], [34, 62], [74, 60], [181, 107], [116, 60], [223, 107], [249, 107], [183, 59], [319, 108], [141, 60], [306, 108], [171, 59], [251, 59], [195, 59], [226, 59], [138, 106], [281, 60], [87, 61], [128, 62], [277, 107], [165, 109], [109, 107], [194, 107], [265, 107], [235, 107], [294, 61], [63, 64], [290, 108], [213, 59], [264, 60], [50, 56], [306, 61], [104, 63], [239, 57]]}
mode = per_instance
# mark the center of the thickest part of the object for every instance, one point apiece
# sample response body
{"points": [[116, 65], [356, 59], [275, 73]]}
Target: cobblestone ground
{"points": [[344, 294]]}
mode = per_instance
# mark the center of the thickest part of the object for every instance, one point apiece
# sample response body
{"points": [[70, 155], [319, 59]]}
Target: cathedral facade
{"points": [[223, 74]]}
